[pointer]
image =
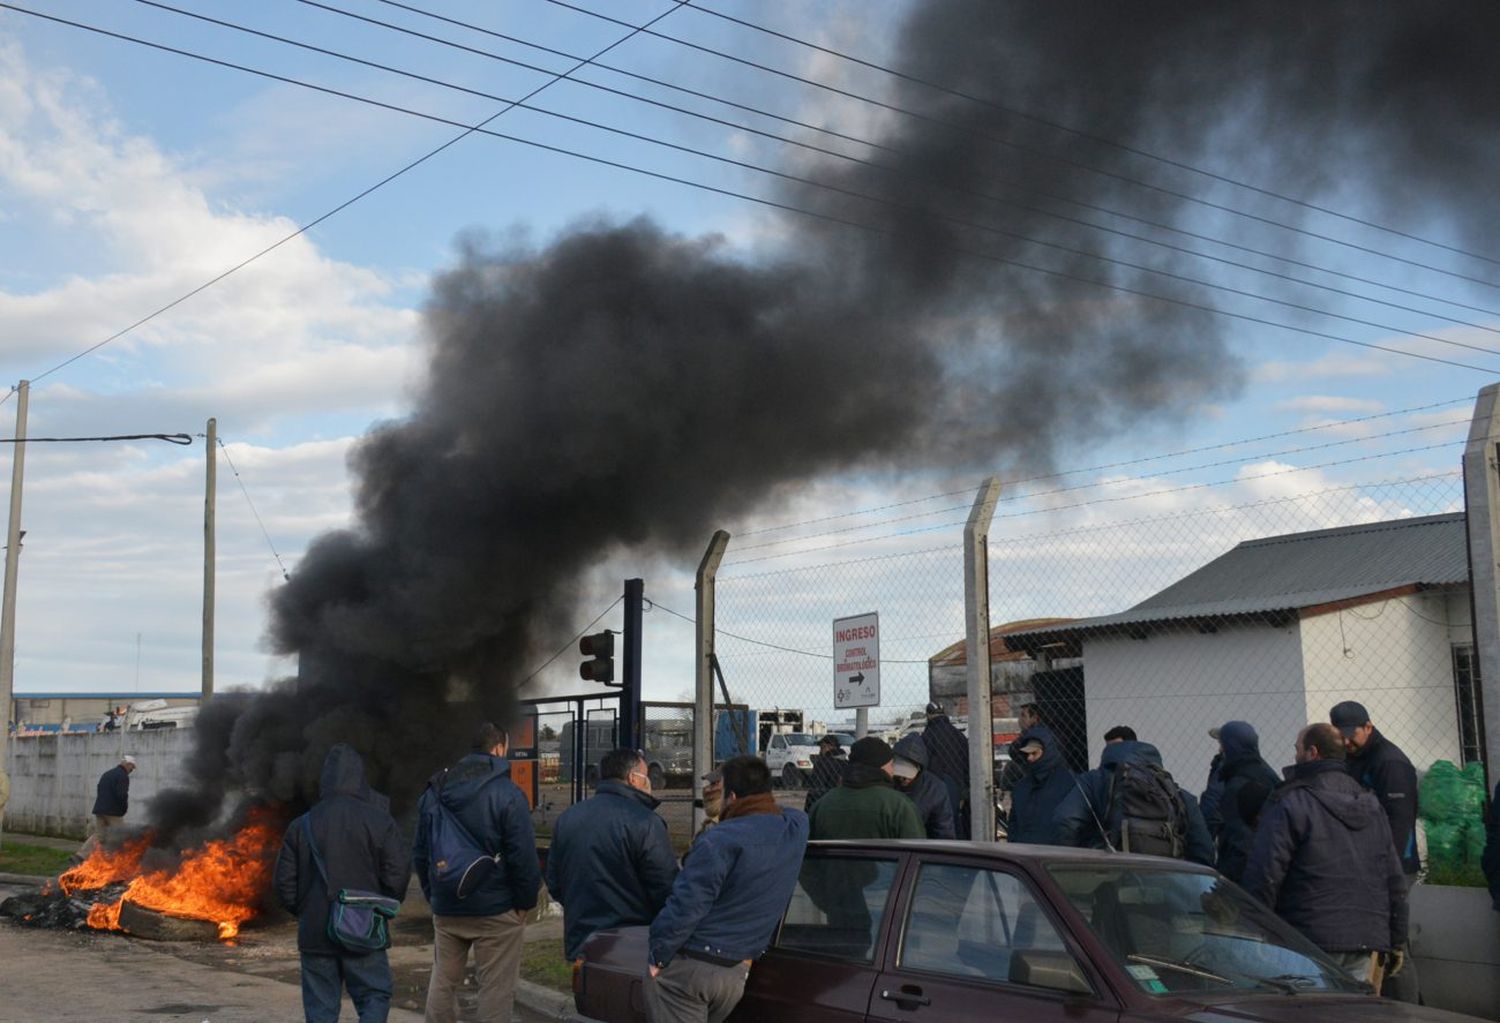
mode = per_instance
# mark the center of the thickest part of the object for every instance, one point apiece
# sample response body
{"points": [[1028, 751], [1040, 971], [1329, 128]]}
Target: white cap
{"points": [[128, 759], [903, 768]]}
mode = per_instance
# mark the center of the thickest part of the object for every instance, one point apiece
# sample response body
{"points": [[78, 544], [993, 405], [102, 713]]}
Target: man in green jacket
{"points": [[867, 804]]}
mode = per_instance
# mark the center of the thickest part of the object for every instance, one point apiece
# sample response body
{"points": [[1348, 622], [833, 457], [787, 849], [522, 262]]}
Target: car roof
{"points": [[1018, 852]]}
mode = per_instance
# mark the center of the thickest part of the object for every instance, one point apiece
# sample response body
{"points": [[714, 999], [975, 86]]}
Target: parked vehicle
{"points": [[949, 931], [790, 756]]}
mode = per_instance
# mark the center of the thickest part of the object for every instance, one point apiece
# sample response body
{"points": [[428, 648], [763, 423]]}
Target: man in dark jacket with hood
{"points": [[1324, 861], [928, 795], [611, 863], [948, 759], [360, 847], [1384, 769], [491, 920], [1240, 766], [1087, 807], [1489, 861], [1044, 783], [828, 769]]}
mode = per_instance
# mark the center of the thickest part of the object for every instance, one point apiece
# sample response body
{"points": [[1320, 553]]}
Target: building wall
{"points": [[53, 778], [1173, 686], [1395, 657]]}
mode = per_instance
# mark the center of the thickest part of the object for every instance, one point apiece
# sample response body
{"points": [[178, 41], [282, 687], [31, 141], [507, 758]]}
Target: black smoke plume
{"points": [[627, 388]]}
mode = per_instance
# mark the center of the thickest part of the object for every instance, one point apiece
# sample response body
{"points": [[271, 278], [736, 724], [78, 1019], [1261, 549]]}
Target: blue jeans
{"points": [[368, 978]]}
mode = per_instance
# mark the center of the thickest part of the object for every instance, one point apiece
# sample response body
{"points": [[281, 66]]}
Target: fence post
{"points": [[977, 657], [703, 689], [1482, 514]]}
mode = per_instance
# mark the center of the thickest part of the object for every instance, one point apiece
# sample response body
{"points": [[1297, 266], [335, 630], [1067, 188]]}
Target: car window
{"points": [[777, 743], [837, 907], [967, 922]]}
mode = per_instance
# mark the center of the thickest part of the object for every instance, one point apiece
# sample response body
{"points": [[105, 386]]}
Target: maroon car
{"points": [[939, 931]]}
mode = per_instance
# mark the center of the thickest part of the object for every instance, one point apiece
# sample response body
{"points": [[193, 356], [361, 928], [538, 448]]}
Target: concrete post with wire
{"points": [[210, 494], [977, 652], [12, 564], [703, 691]]}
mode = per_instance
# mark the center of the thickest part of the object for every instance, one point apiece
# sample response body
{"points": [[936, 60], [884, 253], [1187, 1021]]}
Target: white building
{"points": [[1277, 631]]}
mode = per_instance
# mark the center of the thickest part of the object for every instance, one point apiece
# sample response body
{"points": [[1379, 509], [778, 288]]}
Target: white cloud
{"points": [[1328, 404]]}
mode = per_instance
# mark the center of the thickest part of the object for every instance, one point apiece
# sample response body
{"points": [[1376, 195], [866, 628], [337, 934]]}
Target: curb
{"points": [[31, 879], [548, 1001]]}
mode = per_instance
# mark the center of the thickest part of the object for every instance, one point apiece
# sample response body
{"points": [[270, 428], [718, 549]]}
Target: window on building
{"points": [[1466, 698]]}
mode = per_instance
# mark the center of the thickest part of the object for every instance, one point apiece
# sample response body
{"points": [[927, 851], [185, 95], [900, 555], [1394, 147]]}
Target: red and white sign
{"points": [[856, 661]]}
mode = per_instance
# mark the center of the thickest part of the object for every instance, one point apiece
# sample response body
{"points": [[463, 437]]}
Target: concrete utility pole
{"points": [[210, 494], [977, 655], [12, 558], [1482, 514], [703, 690]]}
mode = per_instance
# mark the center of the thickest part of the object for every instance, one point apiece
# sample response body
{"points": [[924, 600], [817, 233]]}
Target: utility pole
{"points": [[12, 557], [977, 656], [632, 728], [703, 683], [210, 489]]}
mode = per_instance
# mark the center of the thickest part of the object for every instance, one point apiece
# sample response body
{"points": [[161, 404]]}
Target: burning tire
{"points": [[157, 926]]}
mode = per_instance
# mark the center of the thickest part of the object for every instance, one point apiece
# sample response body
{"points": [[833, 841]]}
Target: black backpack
{"points": [[1146, 811]]}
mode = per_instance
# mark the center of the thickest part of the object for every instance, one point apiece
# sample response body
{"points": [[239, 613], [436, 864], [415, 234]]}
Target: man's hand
{"points": [[655, 970], [1395, 962]]}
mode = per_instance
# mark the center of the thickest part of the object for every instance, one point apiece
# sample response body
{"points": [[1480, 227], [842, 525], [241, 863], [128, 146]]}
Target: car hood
{"points": [[1312, 1008]]}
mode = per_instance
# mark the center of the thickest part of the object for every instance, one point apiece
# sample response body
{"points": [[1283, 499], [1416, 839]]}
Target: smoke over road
{"points": [[627, 387]]}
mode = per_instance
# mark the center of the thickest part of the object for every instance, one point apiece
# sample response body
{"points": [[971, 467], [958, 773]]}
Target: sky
{"points": [[130, 176]]}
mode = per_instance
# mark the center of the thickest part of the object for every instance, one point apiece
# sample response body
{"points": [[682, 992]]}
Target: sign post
{"points": [[856, 667]]}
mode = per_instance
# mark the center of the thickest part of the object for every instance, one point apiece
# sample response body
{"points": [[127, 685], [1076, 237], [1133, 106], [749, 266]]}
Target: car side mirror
{"points": [[1056, 971]]}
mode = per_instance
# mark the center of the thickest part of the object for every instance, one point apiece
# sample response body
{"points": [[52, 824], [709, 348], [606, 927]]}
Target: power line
{"points": [[303, 229], [170, 438], [1091, 137], [986, 228], [1009, 144], [569, 645], [603, 161], [886, 168], [269, 542]]}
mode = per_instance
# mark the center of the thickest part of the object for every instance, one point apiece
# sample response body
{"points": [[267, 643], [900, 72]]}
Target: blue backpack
{"points": [[458, 866]]}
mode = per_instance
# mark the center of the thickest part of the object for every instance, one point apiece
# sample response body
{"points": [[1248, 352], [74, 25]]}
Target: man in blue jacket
{"points": [[1044, 784], [1381, 766], [360, 847], [727, 901], [611, 863], [1241, 770], [491, 920], [1489, 861], [1324, 861], [1088, 807]]}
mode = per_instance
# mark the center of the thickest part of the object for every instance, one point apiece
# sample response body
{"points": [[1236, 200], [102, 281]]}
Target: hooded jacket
{"points": [[1078, 815], [1324, 861], [358, 840], [1489, 862], [1041, 789], [611, 863], [867, 805], [1242, 765], [478, 791], [1386, 771], [928, 795], [947, 751], [827, 773]]}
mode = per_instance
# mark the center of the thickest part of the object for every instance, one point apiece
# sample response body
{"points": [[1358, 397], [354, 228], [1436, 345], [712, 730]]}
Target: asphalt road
{"points": [[51, 976]]}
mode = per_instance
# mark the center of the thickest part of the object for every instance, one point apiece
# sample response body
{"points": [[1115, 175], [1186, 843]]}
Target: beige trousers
{"points": [[102, 824], [496, 941]]}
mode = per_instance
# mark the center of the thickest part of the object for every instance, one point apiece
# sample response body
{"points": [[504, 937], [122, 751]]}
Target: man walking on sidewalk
{"points": [[479, 796], [111, 803]]}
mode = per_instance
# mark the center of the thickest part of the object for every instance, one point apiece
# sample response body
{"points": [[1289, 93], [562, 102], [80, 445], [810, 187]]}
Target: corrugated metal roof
{"points": [[1299, 570]]}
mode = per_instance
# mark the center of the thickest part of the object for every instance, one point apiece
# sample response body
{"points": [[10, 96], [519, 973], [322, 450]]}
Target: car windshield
{"points": [[801, 739], [1178, 932]]}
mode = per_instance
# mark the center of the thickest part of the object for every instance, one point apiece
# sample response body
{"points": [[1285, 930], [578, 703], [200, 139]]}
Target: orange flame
{"points": [[222, 880]]}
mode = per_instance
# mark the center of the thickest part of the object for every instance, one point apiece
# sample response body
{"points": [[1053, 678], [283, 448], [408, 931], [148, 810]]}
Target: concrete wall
{"points": [[1173, 686], [53, 778], [1455, 937], [1394, 656]]}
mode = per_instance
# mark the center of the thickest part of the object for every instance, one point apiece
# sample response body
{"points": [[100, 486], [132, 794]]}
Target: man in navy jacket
{"points": [[1241, 766], [1044, 783], [492, 919], [727, 901], [361, 848], [611, 863], [1087, 807]]}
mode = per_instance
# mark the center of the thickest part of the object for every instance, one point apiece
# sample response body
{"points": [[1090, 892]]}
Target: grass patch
{"points": [[542, 963], [18, 858]]}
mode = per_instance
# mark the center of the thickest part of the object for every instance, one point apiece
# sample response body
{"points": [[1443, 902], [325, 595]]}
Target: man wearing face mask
{"points": [[928, 795], [713, 799], [611, 863]]}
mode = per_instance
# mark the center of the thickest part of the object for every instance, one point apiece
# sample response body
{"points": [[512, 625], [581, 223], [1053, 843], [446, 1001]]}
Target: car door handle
{"points": [[907, 997]]}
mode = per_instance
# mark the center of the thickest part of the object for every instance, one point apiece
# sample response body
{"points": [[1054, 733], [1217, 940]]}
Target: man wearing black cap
{"points": [[1380, 766], [867, 804], [948, 760], [828, 769]]}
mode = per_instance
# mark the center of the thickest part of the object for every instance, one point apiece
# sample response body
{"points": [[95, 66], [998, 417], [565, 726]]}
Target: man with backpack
{"points": [[1129, 803], [475, 856], [346, 842]]}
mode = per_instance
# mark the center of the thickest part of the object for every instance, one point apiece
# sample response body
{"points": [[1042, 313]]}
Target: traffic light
{"points": [[600, 648]]}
